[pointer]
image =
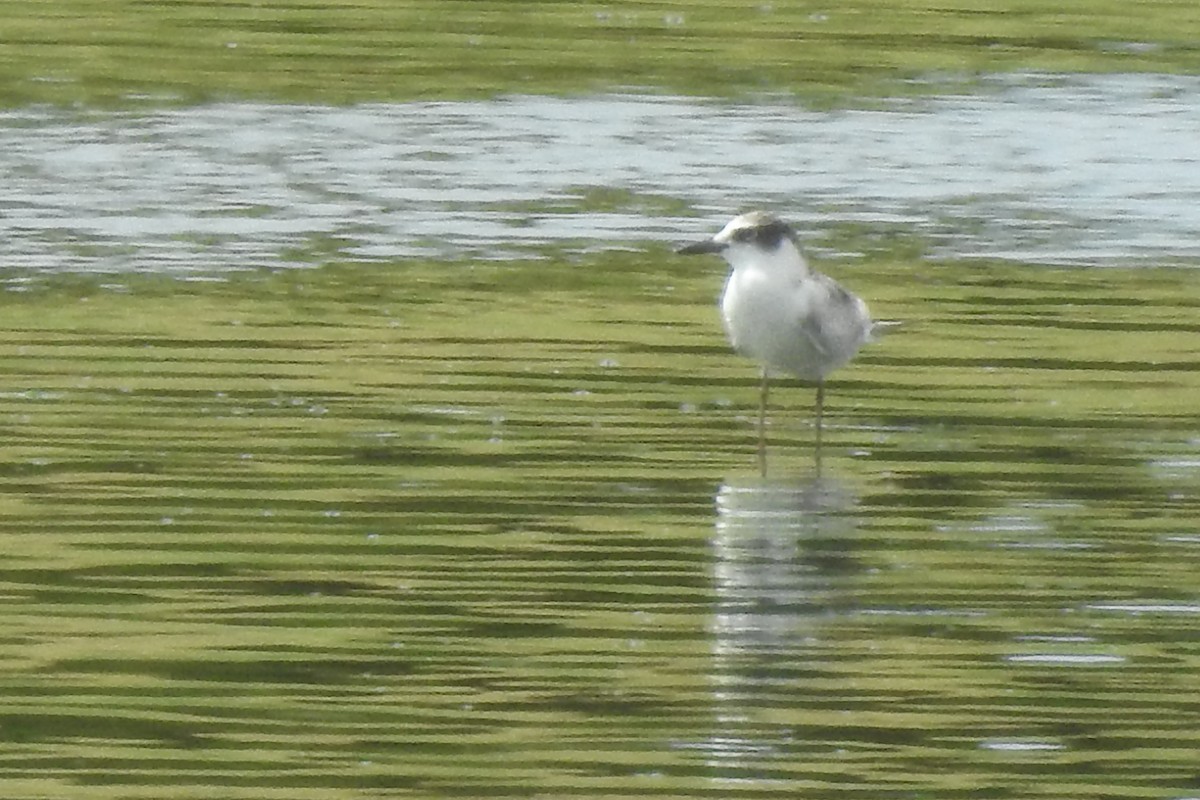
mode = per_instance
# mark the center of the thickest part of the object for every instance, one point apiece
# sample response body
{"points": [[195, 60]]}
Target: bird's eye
{"points": [[769, 236], [743, 235]]}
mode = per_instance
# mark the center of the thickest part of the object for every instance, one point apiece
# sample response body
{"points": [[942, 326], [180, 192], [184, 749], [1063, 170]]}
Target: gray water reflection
{"points": [[783, 569], [1096, 169], [781, 549]]}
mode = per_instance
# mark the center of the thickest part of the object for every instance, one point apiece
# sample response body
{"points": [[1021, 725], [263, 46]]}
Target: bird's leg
{"points": [[762, 425], [820, 411]]}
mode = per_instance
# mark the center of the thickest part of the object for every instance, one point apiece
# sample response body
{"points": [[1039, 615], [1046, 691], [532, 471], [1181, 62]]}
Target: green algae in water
{"points": [[442, 528], [123, 53], [395, 514]]}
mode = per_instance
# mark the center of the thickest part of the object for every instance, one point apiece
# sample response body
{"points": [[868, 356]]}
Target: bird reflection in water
{"points": [[783, 570]]}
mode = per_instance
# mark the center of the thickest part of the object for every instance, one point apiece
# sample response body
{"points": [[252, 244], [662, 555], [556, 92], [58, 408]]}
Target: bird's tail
{"points": [[882, 326]]}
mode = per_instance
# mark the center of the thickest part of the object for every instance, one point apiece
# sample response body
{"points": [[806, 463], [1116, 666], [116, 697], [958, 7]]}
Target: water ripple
{"points": [[1097, 169]]}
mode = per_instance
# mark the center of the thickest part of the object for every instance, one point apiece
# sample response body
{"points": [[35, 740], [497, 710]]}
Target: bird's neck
{"points": [[785, 262]]}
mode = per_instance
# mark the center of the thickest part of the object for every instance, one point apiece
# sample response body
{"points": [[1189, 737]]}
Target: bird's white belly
{"points": [[788, 325]]}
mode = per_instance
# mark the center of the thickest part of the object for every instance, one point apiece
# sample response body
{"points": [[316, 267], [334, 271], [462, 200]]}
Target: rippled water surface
{"points": [[468, 505], [1080, 171], [431, 530]]}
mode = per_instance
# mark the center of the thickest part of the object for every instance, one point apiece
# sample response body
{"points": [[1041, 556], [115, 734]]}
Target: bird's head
{"points": [[755, 233]]}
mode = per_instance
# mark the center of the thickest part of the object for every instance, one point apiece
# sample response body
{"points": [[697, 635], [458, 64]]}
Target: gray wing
{"points": [[837, 324]]}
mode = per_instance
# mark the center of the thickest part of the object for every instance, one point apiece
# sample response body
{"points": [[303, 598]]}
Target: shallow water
{"points": [[419, 530], [397, 526], [1089, 170]]}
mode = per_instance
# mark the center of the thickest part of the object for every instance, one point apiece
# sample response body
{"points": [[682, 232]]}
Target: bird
{"points": [[781, 312]]}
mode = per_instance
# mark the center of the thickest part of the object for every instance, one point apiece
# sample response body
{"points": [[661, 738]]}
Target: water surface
{"points": [[406, 530], [1096, 170], [428, 519]]}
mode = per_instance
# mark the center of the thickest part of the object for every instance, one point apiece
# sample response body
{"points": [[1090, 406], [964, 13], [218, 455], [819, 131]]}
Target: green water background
{"points": [[427, 529], [100, 53]]}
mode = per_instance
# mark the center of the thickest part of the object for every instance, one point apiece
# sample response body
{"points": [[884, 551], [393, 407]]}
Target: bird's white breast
{"points": [[793, 321]]}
